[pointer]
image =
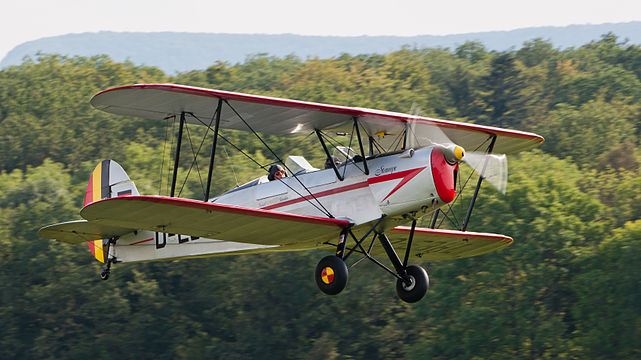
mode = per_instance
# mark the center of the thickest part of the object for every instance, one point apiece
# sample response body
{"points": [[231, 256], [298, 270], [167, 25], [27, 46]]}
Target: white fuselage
{"points": [[397, 184]]}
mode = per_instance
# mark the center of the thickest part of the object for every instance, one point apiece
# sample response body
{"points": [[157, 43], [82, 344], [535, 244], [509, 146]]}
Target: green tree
{"points": [[608, 288]]}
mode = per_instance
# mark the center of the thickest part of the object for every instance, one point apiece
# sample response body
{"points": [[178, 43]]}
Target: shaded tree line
{"points": [[569, 286]]}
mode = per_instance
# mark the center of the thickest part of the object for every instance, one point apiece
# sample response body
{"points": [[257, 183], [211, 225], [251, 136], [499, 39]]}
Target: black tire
{"points": [[331, 275], [104, 274], [420, 282]]}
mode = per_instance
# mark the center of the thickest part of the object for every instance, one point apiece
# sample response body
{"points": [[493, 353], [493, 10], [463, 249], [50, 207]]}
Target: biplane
{"points": [[365, 201]]}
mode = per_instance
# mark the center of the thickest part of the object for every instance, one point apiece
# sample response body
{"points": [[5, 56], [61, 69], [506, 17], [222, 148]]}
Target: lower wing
{"points": [[213, 221], [80, 231], [437, 244]]}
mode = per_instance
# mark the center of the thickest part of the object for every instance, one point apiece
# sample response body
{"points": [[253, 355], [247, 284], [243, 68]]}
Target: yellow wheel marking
{"points": [[327, 275]]}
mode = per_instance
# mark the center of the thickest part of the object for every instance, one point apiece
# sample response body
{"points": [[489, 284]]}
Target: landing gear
{"points": [[415, 286], [412, 281], [107, 247], [104, 274], [331, 275]]}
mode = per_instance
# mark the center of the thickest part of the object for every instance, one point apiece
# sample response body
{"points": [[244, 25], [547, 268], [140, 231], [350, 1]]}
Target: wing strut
{"points": [[360, 144], [177, 157], [213, 148], [409, 244], [478, 186], [433, 225], [329, 157]]}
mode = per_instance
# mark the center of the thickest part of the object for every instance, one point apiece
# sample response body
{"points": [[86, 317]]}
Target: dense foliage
{"points": [[569, 287]]}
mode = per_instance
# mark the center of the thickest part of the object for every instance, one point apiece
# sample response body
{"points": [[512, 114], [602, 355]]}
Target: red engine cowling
{"points": [[444, 175]]}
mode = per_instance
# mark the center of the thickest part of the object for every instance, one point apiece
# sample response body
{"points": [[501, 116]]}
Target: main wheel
{"points": [[331, 275], [416, 289]]}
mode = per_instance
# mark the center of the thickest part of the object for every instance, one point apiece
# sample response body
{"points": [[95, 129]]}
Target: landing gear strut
{"points": [[412, 281], [104, 274]]}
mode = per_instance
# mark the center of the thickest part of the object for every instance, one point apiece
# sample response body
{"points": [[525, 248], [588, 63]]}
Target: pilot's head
{"points": [[276, 172]]}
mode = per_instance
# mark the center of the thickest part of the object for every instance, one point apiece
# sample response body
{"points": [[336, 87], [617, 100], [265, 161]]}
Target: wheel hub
{"points": [[412, 283], [327, 275]]}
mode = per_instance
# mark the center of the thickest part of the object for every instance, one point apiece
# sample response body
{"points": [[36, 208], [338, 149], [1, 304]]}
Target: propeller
{"points": [[492, 167]]}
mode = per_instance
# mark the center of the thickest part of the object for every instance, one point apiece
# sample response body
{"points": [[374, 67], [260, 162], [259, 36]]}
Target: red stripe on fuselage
{"points": [[141, 241], [318, 195], [407, 175]]}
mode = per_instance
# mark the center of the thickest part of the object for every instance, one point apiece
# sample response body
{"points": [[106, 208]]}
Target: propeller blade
{"points": [[435, 135], [493, 168], [410, 128]]}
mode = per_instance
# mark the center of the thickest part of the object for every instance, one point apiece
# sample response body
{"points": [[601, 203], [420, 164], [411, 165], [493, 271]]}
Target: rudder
{"points": [[107, 180]]}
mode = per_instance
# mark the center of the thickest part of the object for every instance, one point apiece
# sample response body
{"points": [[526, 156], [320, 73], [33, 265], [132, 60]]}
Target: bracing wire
{"points": [[306, 198], [336, 144], [194, 161], [231, 164], [329, 214]]}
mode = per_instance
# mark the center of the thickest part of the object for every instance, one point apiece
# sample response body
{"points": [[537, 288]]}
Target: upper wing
{"points": [[214, 221], [437, 244], [79, 231], [283, 116]]}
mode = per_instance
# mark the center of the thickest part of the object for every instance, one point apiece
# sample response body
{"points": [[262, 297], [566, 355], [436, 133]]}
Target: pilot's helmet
{"points": [[273, 170]]}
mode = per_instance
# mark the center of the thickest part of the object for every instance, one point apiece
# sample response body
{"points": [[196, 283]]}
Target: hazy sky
{"points": [[24, 20]]}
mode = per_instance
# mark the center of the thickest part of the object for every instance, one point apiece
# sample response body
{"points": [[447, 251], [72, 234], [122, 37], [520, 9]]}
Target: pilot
{"points": [[276, 172]]}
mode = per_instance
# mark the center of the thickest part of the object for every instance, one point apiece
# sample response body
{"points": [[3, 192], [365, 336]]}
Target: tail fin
{"points": [[107, 180]]}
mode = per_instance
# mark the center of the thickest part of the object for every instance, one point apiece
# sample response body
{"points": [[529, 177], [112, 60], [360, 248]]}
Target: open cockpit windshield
{"points": [[260, 180], [298, 165], [295, 165]]}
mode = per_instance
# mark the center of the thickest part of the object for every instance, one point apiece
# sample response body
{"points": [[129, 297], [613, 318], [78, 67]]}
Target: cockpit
{"points": [[298, 165]]}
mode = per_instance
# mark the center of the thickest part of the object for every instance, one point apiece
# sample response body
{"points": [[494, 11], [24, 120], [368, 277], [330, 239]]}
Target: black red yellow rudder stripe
{"points": [[97, 189]]}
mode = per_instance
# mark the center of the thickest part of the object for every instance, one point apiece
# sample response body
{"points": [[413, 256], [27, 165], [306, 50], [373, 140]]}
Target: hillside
{"points": [[568, 288], [178, 52]]}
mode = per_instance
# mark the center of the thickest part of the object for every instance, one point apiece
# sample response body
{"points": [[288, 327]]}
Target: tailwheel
{"points": [[104, 274], [415, 286], [331, 275]]}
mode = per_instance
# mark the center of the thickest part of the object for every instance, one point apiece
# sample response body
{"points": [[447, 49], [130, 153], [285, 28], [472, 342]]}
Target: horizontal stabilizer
{"points": [[213, 221], [438, 244], [80, 231]]}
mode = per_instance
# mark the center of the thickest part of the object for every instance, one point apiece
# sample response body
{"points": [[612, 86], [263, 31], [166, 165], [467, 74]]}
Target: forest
{"points": [[568, 287]]}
